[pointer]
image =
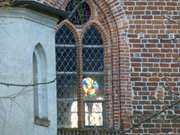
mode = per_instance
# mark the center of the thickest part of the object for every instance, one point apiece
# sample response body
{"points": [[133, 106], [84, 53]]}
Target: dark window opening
{"points": [[93, 67], [66, 78], [81, 14]]}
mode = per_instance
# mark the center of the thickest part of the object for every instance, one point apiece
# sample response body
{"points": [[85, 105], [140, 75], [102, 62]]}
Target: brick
{"points": [[154, 130]]}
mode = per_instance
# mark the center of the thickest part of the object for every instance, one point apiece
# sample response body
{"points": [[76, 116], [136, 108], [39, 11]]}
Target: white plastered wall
{"points": [[20, 31]]}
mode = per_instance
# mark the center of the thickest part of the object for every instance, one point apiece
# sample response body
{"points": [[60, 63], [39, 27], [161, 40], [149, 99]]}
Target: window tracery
{"points": [[81, 14]]}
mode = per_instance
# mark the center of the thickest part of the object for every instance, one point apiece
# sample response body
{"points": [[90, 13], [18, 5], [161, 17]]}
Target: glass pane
{"points": [[96, 107], [81, 14], [65, 59], [92, 37], [66, 86], [74, 115], [93, 59], [67, 117], [64, 36], [94, 113], [66, 78]]}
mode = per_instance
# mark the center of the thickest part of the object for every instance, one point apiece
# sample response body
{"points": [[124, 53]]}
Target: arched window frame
{"points": [[79, 30], [98, 100], [40, 91], [70, 116]]}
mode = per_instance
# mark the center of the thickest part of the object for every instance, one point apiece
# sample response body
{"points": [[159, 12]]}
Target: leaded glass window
{"points": [[93, 113], [81, 14], [93, 67], [67, 70], [93, 59], [66, 77], [64, 36], [92, 37]]}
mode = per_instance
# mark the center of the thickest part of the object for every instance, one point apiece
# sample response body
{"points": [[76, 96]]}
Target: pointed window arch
{"points": [[64, 36], [74, 63], [93, 59], [66, 73], [40, 91], [92, 37]]}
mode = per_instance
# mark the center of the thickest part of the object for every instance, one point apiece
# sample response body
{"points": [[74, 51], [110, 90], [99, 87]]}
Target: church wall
{"points": [[142, 28], [21, 31]]}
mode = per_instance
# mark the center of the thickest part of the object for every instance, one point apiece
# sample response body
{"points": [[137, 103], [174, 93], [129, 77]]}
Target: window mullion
{"points": [[81, 112]]}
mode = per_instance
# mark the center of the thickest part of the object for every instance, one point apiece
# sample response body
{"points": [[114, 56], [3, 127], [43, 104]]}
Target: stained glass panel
{"points": [[99, 78]]}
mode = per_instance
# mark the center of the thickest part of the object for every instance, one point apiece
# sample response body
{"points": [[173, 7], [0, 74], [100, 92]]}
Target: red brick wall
{"points": [[154, 60]]}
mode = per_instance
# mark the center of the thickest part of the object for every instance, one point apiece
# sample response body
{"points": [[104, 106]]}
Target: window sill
{"points": [[41, 121]]}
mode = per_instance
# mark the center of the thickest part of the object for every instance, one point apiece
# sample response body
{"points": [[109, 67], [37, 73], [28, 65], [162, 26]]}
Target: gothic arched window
{"points": [[66, 76], [93, 67], [73, 64], [40, 91]]}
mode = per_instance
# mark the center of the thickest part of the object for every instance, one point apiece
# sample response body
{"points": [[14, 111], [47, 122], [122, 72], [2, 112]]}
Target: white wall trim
{"points": [[27, 14]]}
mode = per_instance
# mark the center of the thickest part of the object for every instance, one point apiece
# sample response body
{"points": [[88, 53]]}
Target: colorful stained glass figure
{"points": [[89, 86]]}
